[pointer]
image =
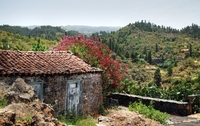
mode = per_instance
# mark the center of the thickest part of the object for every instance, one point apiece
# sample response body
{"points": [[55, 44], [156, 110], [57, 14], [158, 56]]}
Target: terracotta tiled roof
{"points": [[26, 62]]}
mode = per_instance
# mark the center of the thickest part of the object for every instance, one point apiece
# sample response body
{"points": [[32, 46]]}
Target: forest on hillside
{"points": [[163, 62], [44, 32]]}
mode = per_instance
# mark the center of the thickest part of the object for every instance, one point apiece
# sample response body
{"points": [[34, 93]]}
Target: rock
{"points": [[103, 119], [24, 114], [123, 117], [3, 89], [7, 118], [100, 125], [20, 92], [24, 108]]}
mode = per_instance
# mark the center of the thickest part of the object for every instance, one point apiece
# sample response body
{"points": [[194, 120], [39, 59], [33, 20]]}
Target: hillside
{"points": [[45, 32], [140, 38], [12, 41], [55, 32], [147, 48]]}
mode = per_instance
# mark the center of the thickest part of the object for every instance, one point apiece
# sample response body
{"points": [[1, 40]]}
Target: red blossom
{"points": [[96, 54]]}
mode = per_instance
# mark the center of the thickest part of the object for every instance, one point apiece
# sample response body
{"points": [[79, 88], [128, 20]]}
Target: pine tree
{"points": [[162, 59], [190, 50], [169, 70], [149, 58], [145, 50], [156, 47], [133, 55], [157, 77], [127, 55]]}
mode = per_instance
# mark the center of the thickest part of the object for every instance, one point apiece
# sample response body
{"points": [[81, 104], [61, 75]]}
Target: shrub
{"points": [[3, 102], [149, 111], [72, 119]]}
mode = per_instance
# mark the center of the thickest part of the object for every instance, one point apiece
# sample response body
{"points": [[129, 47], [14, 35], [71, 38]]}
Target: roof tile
{"points": [[29, 62]]}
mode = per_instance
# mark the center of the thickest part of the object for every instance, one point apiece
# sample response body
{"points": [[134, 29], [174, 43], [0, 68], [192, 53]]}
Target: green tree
{"points": [[38, 46], [5, 44], [162, 59], [127, 55], [133, 55], [190, 50], [156, 47], [145, 50], [157, 77], [149, 58], [169, 70]]}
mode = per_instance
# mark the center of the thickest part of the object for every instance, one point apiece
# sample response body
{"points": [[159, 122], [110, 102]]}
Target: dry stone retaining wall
{"points": [[169, 106]]}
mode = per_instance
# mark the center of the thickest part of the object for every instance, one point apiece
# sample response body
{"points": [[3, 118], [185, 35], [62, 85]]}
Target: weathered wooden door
{"points": [[73, 96], [38, 87]]}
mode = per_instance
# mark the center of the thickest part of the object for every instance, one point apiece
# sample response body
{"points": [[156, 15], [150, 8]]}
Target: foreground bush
{"points": [[149, 111]]}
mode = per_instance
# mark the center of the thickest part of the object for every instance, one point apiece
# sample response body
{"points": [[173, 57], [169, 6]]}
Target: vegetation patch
{"points": [[3, 102], [149, 111], [72, 119]]}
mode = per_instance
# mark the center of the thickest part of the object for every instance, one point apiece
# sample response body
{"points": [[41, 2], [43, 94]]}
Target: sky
{"points": [[174, 13]]}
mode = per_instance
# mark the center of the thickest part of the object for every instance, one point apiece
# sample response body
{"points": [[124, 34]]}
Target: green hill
{"points": [[45, 32], [12, 41], [145, 47], [138, 39]]}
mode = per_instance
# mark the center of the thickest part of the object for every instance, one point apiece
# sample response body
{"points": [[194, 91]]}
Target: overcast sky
{"points": [[173, 13]]}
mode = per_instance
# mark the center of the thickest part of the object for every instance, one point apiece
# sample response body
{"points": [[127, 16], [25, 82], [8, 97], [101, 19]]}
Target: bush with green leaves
{"points": [[149, 111], [38, 46]]}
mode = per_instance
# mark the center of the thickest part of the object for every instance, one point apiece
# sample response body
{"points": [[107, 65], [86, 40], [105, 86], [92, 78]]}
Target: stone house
{"points": [[59, 78]]}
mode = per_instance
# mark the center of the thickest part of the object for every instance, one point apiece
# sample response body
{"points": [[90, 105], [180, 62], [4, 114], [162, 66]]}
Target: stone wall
{"points": [[169, 106], [54, 90]]}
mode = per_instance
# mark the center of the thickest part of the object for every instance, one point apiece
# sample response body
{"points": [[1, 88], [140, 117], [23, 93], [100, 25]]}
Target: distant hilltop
{"points": [[85, 29], [90, 29]]}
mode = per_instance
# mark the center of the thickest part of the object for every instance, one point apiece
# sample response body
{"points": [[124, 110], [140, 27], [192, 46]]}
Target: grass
{"points": [[26, 120], [72, 119], [149, 111], [89, 121], [3, 102]]}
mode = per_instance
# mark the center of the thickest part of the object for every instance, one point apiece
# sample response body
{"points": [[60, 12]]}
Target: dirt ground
{"points": [[121, 116]]}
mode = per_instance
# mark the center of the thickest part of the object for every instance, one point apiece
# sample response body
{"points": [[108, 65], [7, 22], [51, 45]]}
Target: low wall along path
{"points": [[169, 106]]}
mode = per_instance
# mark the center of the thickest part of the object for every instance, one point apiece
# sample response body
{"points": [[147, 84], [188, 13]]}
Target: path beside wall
{"points": [[169, 106]]}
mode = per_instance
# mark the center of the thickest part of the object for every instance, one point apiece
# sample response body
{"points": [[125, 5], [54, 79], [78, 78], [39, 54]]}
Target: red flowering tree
{"points": [[98, 55]]}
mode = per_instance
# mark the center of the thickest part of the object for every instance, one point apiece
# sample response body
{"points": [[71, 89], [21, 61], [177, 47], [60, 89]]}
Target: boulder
{"points": [[3, 89], [35, 113], [20, 92], [24, 108]]}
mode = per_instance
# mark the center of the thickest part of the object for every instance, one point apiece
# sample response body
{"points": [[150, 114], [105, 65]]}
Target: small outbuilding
{"points": [[59, 78]]}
